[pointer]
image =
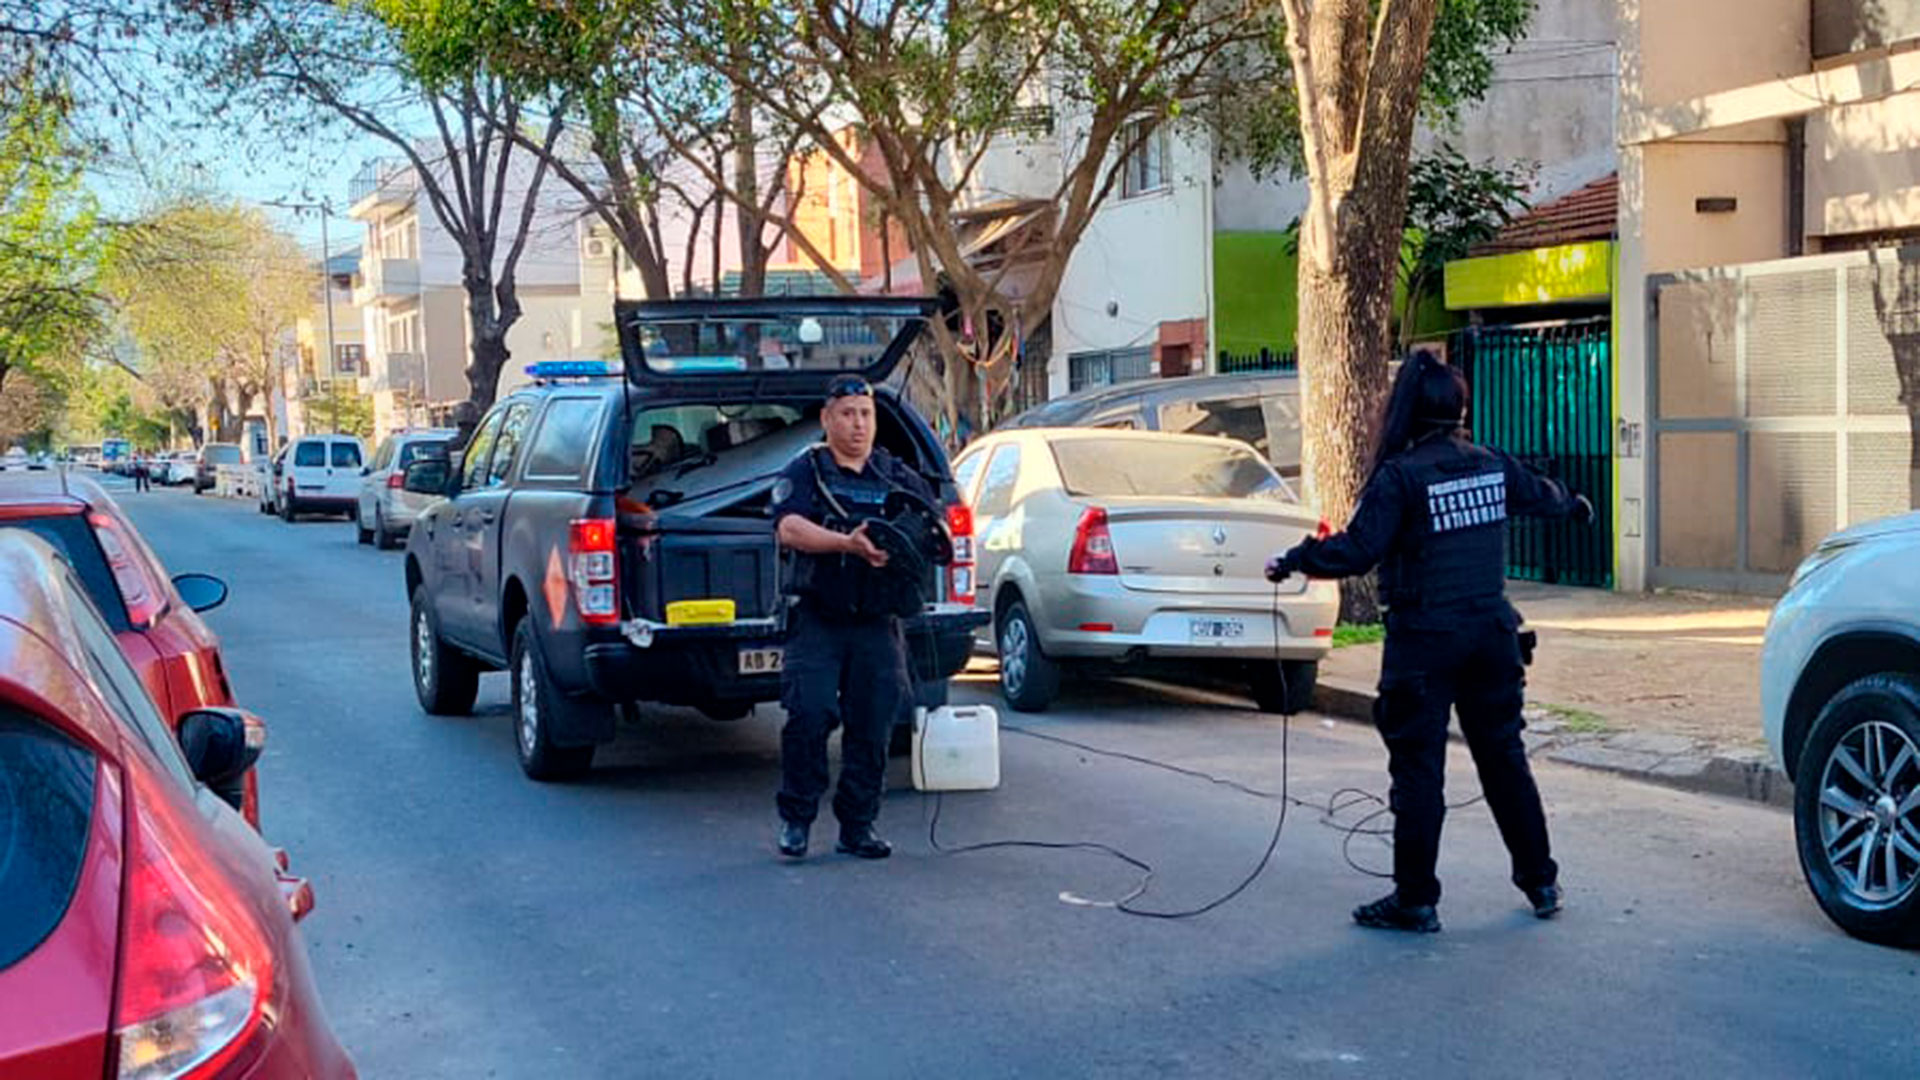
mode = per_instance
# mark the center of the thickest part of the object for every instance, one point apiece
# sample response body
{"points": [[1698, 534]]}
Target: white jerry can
{"points": [[956, 748]]}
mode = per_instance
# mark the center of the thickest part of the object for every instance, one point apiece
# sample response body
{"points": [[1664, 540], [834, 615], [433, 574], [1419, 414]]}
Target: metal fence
{"points": [[1232, 363], [1780, 397], [1545, 395], [1108, 367]]}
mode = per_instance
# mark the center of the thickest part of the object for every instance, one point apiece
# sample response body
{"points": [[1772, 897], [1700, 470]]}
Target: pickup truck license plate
{"points": [[761, 661], [1217, 629]]}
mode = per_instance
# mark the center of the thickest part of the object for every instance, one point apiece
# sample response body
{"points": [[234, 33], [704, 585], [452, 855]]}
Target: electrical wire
{"points": [[1338, 803]]}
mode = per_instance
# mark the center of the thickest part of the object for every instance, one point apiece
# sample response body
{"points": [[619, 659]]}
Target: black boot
{"points": [[1388, 913], [792, 839], [860, 842], [1545, 901]]}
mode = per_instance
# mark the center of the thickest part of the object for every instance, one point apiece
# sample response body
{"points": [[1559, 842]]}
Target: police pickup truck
{"points": [[606, 538]]}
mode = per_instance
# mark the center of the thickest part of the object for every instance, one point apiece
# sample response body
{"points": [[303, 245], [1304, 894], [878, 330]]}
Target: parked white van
{"points": [[319, 474]]}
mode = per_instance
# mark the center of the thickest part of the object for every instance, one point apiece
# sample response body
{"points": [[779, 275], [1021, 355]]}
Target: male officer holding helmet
{"points": [[846, 657]]}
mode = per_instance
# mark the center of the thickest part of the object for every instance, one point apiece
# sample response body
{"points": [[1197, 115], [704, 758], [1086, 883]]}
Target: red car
{"points": [[154, 618], [147, 931]]}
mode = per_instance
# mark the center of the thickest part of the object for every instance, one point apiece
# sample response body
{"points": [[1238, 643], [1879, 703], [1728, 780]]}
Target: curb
{"points": [[1670, 761]]}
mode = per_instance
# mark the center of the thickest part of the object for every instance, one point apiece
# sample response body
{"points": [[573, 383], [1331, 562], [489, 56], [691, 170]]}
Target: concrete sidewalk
{"points": [[1663, 687]]}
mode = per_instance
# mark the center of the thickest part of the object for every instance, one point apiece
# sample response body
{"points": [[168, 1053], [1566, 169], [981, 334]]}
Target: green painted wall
{"points": [[1257, 295], [1256, 300]]}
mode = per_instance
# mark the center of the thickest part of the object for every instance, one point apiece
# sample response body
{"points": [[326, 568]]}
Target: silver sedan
{"points": [[1136, 552]]}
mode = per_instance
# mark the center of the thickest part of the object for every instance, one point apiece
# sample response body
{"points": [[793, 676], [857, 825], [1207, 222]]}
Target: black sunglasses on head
{"points": [[842, 388]]}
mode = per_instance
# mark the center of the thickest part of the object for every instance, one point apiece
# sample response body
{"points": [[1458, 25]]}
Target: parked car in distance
{"points": [[156, 619], [1840, 707], [1135, 551], [1261, 410], [14, 460], [386, 509], [181, 468], [318, 474], [148, 932], [207, 465], [611, 541]]}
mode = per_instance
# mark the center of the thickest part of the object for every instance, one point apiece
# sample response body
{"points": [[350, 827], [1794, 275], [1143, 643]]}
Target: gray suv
{"points": [[1262, 411], [386, 509]]}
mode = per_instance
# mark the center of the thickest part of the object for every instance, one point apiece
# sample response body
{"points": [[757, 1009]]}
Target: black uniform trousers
{"points": [[1434, 662], [852, 674]]}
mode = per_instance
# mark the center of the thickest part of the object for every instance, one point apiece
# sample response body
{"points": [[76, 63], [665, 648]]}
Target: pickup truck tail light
{"points": [[960, 581], [1092, 545], [594, 569], [397, 480]]}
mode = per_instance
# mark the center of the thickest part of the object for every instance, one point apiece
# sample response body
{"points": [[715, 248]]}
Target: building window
{"points": [[349, 360], [1146, 166], [1108, 367]]}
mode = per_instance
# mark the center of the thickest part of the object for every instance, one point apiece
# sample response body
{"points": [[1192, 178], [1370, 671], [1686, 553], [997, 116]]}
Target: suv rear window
{"points": [[419, 448], [72, 537], [310, 455], [1179, 469], [46, 814]]}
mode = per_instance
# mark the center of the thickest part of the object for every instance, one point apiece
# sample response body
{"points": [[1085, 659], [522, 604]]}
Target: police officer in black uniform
{"points": [[846, 658], [1433, 516]]}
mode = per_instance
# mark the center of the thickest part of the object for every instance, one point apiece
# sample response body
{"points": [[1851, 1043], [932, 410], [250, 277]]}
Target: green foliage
{"points": [[1258, 121], [1452, 205], [1347, 635], [49, 241]]}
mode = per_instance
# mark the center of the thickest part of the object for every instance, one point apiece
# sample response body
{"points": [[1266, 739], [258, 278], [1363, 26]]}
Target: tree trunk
{"points": [[488, 360], [1344, 337], [746, 184]]}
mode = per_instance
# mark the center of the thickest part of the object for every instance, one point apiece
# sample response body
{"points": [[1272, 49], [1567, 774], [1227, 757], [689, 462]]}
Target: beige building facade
{"points": [[1767, 387]]}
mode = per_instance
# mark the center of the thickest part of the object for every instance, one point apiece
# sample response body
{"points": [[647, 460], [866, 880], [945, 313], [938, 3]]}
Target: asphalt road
{"points": [[472, 923]]}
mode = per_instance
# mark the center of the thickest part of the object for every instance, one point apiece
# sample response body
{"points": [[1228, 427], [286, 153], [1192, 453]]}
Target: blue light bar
{"points": [[573, 369]]}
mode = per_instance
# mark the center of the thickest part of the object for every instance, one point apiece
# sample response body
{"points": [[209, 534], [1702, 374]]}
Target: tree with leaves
{"points": [[315, 63], [49, 241], [1453, 205], [1363, 73], [210, 293]]}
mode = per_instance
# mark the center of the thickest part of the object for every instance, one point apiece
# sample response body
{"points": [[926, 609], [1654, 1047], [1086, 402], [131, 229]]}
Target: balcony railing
{"points": [[400, 372], [389, 178], [386, 279]]}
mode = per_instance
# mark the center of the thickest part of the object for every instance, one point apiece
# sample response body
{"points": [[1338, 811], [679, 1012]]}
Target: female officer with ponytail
{"points": [[1433, 517]]}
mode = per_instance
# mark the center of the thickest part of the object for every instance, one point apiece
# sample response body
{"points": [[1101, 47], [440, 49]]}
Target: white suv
{"points": [[386, 509], [318, 474], [1840, 702]]}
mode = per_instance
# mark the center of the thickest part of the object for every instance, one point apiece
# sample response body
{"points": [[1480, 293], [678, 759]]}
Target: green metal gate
{"points": [[1545, 395]]}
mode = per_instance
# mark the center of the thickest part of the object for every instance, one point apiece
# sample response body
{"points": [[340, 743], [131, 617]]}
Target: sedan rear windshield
{"points": [[46, 813], [72, 536], [226, 454], [422, 448], [1172, 468]]}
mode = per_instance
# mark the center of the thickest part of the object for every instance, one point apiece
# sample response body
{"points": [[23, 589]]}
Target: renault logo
{"points": [[1220, 536]]}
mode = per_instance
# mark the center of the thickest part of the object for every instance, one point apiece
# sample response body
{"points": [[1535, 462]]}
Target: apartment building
{"points": [[326, 352], [412, 307], [1769, 300]]}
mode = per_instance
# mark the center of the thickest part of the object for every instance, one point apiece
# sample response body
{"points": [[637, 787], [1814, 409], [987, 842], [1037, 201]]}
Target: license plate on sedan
{"points": [[1217, 629], [761, 661]]}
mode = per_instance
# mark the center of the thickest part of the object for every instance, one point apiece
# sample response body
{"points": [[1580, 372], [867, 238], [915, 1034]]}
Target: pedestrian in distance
{"points": [[140, 478], [846, 655], [1433, 516]]}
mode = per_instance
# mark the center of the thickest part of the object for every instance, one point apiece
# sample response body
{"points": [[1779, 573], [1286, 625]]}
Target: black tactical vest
{"points": [[845, 586], [1453, 547]]}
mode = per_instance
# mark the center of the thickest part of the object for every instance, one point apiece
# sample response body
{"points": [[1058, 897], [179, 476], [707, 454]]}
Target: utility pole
{"points": [[332, 361]]}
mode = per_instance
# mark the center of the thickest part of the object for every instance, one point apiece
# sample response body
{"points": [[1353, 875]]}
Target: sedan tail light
{"points": [[960, 580], [1092, 545], [196, 970], [594, 569], [396, 481]]}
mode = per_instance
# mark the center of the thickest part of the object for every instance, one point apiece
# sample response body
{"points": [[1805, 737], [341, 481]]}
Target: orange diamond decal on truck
{"points": [[554, 587]]}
